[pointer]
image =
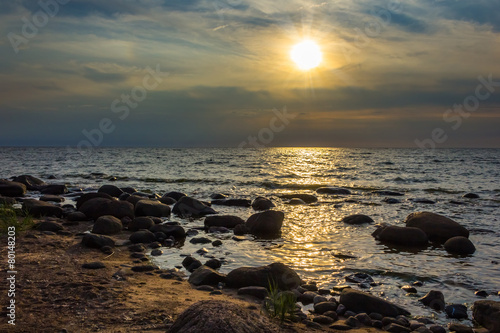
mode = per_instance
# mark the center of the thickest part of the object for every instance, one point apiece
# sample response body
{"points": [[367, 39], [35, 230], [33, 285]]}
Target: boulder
{"points": [[232, 202], [359, 301], [206, 276], [456, 311], [12, 189], [88, 196], [55, 189], [174, 195], [151, 208], [213, 263], [227, 221], [221, 316], [258, 292], [167, 200], [48, 226], [140, 223], [112, 190], [434, 299], [175, 231], [261, 203], [190, 207], [134, 199], [307, 198], [266, 224], [107, 225], [357, 219], [459, 245], [52, 198], [38, 208], [97, 207], [283, 276], [76, 216], [97, 241], [437, 227], [323, 307], [191, 264], [142, 236], [487, 314], [32, 183], [240, 230], [128, 190], [333, 190], [403, 236]]}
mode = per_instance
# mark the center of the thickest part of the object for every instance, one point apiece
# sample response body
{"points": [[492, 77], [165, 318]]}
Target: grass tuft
{"points": [[10, 217], [279, 304]]}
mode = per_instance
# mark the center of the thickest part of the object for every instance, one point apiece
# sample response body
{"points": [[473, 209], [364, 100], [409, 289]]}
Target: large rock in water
{"points": [[88, 196], [333, 190], [32, 183], [112, 190], [107, 225], [261, 203], [459, 245], [221, 317], [283, 276], [357, 219], [358, 301], [190, 207], [175, 231], [402, 236], [41, 208], [206, 276], [12, 189], [226, 221], [307, 198], [174, 195], [151, 208], [437, 227], [266, 224], [487, 313], [97, 207], [55, 189]]}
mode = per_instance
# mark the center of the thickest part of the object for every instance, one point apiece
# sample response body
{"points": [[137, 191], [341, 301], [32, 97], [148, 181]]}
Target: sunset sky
{"points": [[389, 72]]}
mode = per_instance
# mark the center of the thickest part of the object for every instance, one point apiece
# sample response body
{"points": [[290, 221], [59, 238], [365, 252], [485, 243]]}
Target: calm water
{"points": [[312, 234]]}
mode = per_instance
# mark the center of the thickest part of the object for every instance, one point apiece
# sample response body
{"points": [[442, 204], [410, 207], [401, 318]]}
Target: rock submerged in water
{"points": [[205, 275], [487, 313], [12, 189], [456, 311], [190, 207], [266, 224], [434, 299], [359, 301], [402, 236], [437, 227], [31, 183], [221, 317], [283, 276], [459, 245], [175, 231], [151, 208], [307, 198], [261, 203], [333, 190], [226, 221], [41, 208], [357, 219]]}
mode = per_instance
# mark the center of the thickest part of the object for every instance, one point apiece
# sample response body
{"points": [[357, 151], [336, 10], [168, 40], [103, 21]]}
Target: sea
{"points": [[313, 241]]}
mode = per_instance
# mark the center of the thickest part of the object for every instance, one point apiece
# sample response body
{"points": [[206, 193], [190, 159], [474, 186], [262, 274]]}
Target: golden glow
{"points": [[306, 55]]}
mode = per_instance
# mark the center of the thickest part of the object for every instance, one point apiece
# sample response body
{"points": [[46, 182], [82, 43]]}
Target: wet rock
{"points": [[89, 196], [481, 293], [226, 221], [402, 236], [217, 196], [111, 190], [296, 202], [307, 297], [409, 289], [218, 230], [175, 231], [325, 307], [319, 299], [142, 236], [353, 322], [456, 311], [307, 198], [156, 252], [213, 263], [175, 195], [434, 299], [258, 292], [205, 288], [333, 190], [341, 309], [437, 227], [141, 223], [266, 224], [206, 276], [395, 328], [285, 277], [364, 319], [189, 261], [232, 202], [52, 198], [240, 230], [94, 265], [487, 314], [357, 219], [143, 268], [359, 278], [55, 189], [323, 320], [437, 329], [38, 208], [261, 203], [200, 240], [471, 196], [331, 314], [107, 225], [359, 301], [97, 241], [391, 201], [190, 207], [12, 189], [459, 245], [31, 183], [167, 200], [48, 226], [217, 243], [151, 208], [423, 201], [221, 317], [376, 316], [389, 193], [128, 190], [97, 207]]}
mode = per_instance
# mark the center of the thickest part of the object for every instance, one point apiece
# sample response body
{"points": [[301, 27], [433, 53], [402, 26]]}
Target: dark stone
{"points": [[141, 223], [52, 198], [359, 278], [402, 236], [206, 276], [240, 230], [167, 200], [323, 320], [232, 202], [331, 314], [266, 224], [471, 196], [48, 226], [38, 208], [137, 248], [487, 314], [395, 328], [218, 230], [353, 322], [437, 329], [151, 208], [217, 243], [111, 190], [391, 201], [319, 299], [437, 227], [307, 297], [456, 311], [364, 319], [97, 241], [128, 190], [434, 299], [94, 265], [156, 252], [54, 189], [213, 263], [189, 261], [325, 307], [200, 240], [175, 195], [376, 316], [97, 207], [190, 207], [261, 203], [481, 293], [258, 292], [359, 301], [388, 193], [217, 196], [409, 289], [143, 268], [459, 245], [307, 198], [357, 219], [423, 201], [227, 221], [107, 225], [31, 183], [142, 236], [12, 189], [88, 196], [175, 231], [333, 190], [284, 276]]}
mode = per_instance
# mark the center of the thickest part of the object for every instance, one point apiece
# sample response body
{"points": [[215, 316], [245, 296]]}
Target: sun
{"points": [[306, 55]]}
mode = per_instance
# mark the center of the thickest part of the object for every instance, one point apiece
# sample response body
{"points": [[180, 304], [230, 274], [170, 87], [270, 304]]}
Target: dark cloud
{"points": [[98, 76]]}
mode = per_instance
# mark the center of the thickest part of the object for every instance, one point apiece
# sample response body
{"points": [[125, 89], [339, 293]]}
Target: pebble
{"points": [[156, 252], [409, 289], [217, 243]]}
